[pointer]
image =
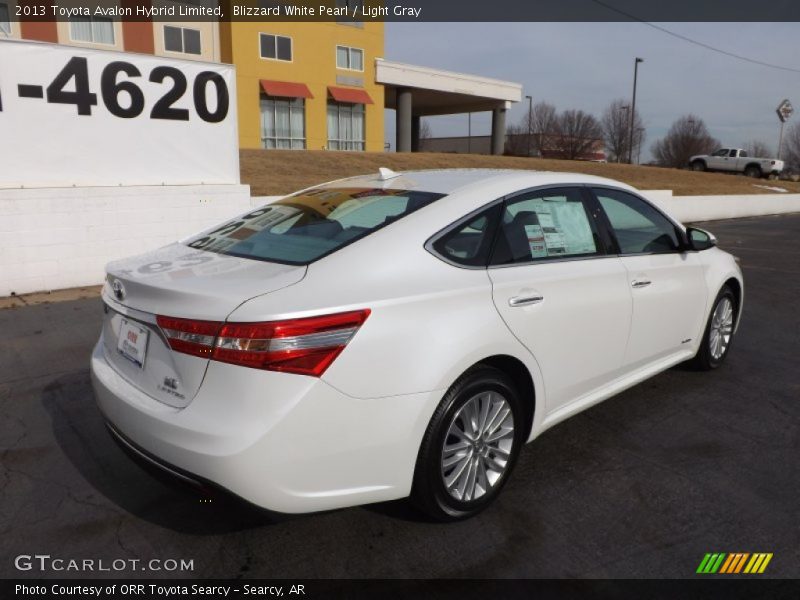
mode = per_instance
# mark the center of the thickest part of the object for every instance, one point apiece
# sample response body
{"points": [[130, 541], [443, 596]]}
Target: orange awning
{"points": [[286, 89], [349, 95]]}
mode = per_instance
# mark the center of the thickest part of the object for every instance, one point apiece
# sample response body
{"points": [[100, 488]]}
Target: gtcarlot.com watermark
{"points": [[45, 563]]}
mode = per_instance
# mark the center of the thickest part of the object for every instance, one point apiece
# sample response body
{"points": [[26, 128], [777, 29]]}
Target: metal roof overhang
{"points": [[437, 92]]}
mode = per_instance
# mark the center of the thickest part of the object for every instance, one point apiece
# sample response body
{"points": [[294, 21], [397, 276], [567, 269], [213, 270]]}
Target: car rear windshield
{"points": [[302, 228]]}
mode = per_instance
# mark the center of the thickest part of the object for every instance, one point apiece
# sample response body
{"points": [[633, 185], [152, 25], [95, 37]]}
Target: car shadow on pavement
{"points": [[80, 431]]}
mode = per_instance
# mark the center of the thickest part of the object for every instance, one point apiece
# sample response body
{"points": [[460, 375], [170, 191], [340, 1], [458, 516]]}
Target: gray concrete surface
{"points": [[642, 485]]}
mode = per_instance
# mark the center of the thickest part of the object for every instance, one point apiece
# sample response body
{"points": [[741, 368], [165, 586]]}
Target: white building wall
{"points": [[53, 238]]}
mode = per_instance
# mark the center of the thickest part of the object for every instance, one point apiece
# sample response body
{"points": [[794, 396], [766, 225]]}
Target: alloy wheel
{"points": [[478, 446], [721, 328]]}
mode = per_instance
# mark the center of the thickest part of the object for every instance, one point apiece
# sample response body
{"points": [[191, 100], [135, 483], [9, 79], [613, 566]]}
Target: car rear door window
{"points": [[638, 226], [546, 225], [305, 227]]}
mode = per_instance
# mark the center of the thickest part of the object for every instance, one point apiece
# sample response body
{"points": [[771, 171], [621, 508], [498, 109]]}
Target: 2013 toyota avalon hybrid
{"points": [[401, 334]]}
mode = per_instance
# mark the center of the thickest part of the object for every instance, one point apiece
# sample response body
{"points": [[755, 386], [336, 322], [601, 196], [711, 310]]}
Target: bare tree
{"points": [[425, 132], [576, 134], [616, 123], [791, 147], [517, 140], [757, 148], [687, 136], [529, 137], [543, 122]]}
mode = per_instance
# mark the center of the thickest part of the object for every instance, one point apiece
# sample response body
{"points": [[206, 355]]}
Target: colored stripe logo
{"points": [[734, 563]]}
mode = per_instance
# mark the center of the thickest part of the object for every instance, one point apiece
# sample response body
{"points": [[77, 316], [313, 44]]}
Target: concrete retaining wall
{"points": [[693, 209], [53, 238]]}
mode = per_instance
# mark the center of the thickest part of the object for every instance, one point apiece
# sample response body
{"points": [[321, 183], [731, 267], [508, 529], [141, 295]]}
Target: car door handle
{"points": [[640, 283], [526, 300]]}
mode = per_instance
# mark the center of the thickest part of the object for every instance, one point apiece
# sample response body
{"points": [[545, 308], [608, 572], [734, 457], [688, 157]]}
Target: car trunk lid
{"points": [[176, 281]]}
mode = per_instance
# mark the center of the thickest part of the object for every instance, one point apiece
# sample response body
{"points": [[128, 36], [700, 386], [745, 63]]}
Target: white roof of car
{"points": [[447, 181]]}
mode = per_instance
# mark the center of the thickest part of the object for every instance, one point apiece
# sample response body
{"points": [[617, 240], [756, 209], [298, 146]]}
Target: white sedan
{"points": [[401, 335]]}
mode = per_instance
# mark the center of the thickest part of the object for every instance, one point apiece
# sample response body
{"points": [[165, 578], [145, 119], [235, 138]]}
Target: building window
{"points": [[96, 30], [5, 21], [345, 126], [349, 58], [283, 123], [181, 39], [276, 47]]}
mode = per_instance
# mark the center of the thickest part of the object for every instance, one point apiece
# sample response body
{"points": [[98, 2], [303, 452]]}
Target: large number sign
{"points": [[73, 116]]}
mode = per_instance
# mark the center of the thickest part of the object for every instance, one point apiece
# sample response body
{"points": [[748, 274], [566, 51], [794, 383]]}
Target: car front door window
{"points": [[638, 227]]}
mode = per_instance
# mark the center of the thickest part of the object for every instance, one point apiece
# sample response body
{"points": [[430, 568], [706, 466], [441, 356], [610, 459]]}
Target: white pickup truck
{"points": [[735, 160]]}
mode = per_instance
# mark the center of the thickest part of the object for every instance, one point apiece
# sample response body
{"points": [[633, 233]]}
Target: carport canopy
{"points": [[415, 92]]}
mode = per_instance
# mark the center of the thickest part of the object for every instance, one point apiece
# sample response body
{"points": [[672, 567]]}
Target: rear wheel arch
{"points": [[522, 378]]}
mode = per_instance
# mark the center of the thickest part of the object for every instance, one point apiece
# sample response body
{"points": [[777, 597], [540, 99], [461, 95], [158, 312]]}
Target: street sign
{"points": [[784, 110]]}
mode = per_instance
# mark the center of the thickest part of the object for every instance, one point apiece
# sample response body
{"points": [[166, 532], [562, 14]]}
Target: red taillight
{"points": [[189, 336], [307, 346]]}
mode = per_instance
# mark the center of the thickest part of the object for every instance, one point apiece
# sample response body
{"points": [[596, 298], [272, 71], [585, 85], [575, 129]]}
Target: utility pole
{"points": [[626, 121], [633, 108], [469, 133], [639, 132], [530, 122], [784, 110]]}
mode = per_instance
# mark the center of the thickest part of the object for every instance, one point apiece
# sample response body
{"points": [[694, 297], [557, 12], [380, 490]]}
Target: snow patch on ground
{"points": [[771, 188]]}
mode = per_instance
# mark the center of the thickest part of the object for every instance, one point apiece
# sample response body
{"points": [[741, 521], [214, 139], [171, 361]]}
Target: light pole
{"points": [[469, 133], [530, 122], [624, 133], [633, 108], [639, 132]]}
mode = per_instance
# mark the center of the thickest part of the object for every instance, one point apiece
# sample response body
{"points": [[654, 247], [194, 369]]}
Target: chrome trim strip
{"points": [[150, 460]]}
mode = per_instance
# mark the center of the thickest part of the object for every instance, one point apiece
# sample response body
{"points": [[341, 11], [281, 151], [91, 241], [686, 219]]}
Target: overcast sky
{"points": [[587, 65]]}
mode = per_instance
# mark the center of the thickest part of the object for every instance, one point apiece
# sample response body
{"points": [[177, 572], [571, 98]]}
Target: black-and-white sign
{"points": [[83, 117], [784, 110]]}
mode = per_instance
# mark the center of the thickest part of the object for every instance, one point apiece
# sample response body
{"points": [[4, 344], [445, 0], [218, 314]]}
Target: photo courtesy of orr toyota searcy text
{"points": [[158, 591]]}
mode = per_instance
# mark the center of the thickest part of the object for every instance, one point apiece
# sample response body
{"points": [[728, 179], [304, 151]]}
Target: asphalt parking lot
{"points": [[640, 486]]}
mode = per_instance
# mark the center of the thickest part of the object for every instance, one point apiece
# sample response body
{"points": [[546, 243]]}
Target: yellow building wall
{"points": [[313, 63]]}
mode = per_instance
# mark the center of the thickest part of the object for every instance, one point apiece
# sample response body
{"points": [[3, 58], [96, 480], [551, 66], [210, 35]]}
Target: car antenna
{"points": [[385, 174]]}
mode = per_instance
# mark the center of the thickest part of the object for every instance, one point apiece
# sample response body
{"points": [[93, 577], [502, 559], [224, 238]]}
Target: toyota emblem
{"points": [[119, 290]]}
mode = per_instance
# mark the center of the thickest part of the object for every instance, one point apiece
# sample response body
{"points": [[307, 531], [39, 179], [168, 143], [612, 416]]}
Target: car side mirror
{"points": [[700, 239]]}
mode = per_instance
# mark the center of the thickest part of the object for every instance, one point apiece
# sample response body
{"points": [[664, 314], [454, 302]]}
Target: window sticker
{"points": [[563, 229], [536, 241]]}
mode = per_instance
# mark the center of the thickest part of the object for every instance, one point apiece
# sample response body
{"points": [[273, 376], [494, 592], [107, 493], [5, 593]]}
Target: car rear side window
{"points": [[469, 243], [546, 224], [639, 228], [302, 228]]}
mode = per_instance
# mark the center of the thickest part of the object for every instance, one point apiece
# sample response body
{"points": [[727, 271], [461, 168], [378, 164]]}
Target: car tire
{"points": [[753, 172], [460, 480], [698, 165], [719, 332]]}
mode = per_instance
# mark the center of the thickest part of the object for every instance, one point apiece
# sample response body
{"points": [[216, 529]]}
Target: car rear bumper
{"points": [[287, 443]]}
